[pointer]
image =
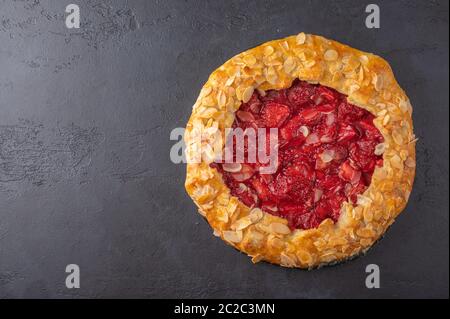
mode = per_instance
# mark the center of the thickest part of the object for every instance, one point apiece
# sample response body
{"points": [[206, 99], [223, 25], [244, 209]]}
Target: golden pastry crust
{"points": [[369, 83]]}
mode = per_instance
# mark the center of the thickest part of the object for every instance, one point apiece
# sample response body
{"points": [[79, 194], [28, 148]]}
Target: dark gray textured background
{"points": [[85, 176]]}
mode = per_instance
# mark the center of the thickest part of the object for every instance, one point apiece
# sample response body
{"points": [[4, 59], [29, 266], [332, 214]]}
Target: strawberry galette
{"points": [[345, 151]]}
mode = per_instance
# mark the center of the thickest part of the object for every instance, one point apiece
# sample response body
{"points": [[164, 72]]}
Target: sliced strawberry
{"points": [[300, 94], [325, 108], [325, 154], [274, 114], [327, 93], [346, 132], [291, 128], [245, 116], [348, 173], [310, 116], [261, 189]]}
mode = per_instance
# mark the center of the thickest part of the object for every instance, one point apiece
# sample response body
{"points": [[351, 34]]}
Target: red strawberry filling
{"points": [[325, 155]]}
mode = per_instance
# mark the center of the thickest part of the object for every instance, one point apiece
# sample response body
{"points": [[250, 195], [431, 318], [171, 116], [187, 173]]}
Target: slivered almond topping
{"points": [[257, 258], [309, 64], [304, 130], [268, 50], [327, 156], [242, 187], [256, 215], [230, 80], [410, 162], [312, 139], [242, 223], [232, 236], [301, 38], [365, 232], [286, 260], [289, 65], [331, 55], [353, 88], [261, 92], [377, 82], [364, 59], [363, 200], [396, 161], [379, 149], [221, 99], [275, 242], [285, 45], [397, 137], [206, 91], [249, 60], [280, 228], [247, 94], [232, 167], [208, 113]]}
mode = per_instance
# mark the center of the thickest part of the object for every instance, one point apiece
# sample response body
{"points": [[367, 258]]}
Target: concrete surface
{"points": [[85, 176]]}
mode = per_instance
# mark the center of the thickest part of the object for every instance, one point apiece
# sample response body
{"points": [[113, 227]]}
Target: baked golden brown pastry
{"points": [[346, 152]]}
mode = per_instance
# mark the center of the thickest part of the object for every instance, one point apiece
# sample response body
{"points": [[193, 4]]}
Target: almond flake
{"points": [[410, 162], [256, 215], [304, 257], [250, 60], [387, 95], [201, 212], [280, 228], [309, 64], [377, 82], [261, 92], [286, 260], [230, 80], [304, 130], [364, 59], [233, 236], [275, 242], [272, 78], [301, 38], [289, 65], [353, 88], [361, 74], [232, 167], [368, 215], [363, 200], [397, 137], [221, 99], [396, 162], [403, 105], [206, 91], [331, 55], [327, 156], [242, 223], [268, 50], [243, 187], [312, 139], [247, 94], [379, 149], [208, 113], [365, 232], [257, 258]]}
